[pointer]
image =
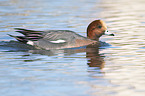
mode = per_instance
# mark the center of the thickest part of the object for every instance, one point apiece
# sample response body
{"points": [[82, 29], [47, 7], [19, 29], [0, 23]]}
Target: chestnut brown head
{"points": [[96, 29]]}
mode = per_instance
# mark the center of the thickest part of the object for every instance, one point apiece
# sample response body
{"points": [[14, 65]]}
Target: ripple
{"points": [[116, 67]]}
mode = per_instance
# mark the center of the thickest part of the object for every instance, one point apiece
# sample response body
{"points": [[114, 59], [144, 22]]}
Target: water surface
{"points": [[116, 68]]}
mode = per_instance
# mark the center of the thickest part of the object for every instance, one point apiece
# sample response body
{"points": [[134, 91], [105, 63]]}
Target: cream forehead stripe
{"points": [[103, 23]]}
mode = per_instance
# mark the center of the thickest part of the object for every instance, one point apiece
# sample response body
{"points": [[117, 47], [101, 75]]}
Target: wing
{"points": [[60, 35], [57, 39], [51, 39]]}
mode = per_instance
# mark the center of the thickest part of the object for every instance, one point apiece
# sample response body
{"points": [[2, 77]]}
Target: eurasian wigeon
{"points": [[60, 39]]}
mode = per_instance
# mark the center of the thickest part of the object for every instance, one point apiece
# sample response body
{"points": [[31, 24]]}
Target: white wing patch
{"points": [[30, 43], [58, 41]]}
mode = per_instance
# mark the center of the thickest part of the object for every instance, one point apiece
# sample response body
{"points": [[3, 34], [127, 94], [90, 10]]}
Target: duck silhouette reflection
{"points": [[92, 54], [95, 59]]}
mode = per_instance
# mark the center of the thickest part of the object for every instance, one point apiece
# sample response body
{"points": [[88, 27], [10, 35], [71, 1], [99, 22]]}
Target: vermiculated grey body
{"points": [[52, 39]]}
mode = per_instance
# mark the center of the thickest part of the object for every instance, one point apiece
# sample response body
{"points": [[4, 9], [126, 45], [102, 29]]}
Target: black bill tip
{"points": [[112, 35]]}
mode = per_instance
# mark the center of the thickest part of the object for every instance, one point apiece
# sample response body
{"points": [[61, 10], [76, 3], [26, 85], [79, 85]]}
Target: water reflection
{"points": [[66, 70], [92, 52], [94, 58]]}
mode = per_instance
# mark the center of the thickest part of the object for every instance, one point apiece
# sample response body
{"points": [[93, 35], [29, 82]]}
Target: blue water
{"points": [[115, 68]]}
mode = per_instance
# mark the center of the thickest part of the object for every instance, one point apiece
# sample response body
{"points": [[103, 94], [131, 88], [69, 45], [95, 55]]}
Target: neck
{"points": [[92, 35]]}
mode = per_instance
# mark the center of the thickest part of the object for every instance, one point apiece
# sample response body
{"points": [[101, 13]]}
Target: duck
{"points": [[61, 39]]}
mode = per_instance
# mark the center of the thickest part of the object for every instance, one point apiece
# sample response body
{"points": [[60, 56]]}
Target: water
{"points": [[116, 68]]}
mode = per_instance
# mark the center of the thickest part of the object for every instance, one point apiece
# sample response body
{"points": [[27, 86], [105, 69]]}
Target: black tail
{"points": [[28, 35], [20, 38]]}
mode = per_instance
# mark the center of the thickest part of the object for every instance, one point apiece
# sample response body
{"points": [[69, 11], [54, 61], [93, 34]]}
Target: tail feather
{"points": [[19, 38], [23, 29], [29, 35], [27, 31]]}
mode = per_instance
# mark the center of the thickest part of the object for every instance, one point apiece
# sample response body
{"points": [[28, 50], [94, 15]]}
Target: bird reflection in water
{"points": [[94, 58], [92, 54]]}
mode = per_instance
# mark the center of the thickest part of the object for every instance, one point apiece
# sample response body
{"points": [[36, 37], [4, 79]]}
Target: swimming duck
{"points": [[60, 39]]}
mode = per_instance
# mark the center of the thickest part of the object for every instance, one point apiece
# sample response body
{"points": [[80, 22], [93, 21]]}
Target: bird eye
{"points": [[100, 26]]}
